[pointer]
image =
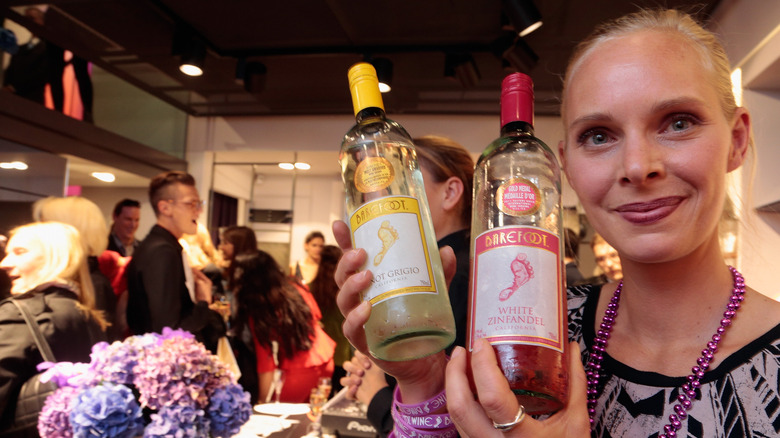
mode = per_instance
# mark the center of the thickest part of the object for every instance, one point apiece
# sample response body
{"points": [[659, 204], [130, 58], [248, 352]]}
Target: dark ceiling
{"points": [[307, 47]]}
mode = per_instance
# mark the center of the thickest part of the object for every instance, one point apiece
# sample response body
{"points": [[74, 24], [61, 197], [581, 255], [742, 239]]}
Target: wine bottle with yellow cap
{"points": [[388, 215]]}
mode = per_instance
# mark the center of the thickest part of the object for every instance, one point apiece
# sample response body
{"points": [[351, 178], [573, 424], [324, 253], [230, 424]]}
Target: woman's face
{"points": [[228, 250], [314, 247], [23, 260], [648, 146]]}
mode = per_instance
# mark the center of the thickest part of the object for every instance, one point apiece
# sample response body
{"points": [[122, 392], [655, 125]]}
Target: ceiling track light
{"points": [[523, 15], [384, 73], [521, 56], [190, 49], [461, 67]]}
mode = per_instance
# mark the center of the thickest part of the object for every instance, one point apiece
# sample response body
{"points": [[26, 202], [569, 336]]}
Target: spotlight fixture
{"points": [[192, 51], [521, 56], [523, 15], [461, 66], [104, 176], [13, 165], [192, 58], [297, 165], [384, 72]]}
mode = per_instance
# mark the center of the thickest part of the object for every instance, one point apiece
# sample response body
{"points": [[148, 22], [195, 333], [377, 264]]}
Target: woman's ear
{"points": [[740, 139], [453, 192]]}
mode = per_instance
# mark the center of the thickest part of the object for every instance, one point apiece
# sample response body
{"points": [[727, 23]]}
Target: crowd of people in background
{"points": [[279, 322]]}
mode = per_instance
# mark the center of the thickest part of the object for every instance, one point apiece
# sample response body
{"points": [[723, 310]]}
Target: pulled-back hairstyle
{"points": [[160, 186], [444, 158], [125, 203], [711, 53], [313, 235], [324, 287], [64, 261], [79, 212], [266, 296]]}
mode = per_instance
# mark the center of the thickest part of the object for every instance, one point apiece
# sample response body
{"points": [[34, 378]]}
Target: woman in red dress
{"points": [[278, 309]]}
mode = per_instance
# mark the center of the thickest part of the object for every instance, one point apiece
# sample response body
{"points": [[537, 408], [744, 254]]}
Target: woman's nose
{"points": [[642, 160]]}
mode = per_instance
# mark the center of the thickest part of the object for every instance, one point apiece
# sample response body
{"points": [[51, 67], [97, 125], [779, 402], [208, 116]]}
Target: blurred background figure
{"points": [[571, 256], [204, 256], [87, 218], [279, 310], [324, 290], [234, 241], [306, 269], [5, 280], [607, 259], [48, 266], [126, 217], [238, 240], [28, 71]]}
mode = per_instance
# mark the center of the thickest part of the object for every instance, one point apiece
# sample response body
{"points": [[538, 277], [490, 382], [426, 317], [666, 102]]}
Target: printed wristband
{"points": [[403, 429], [396, 433], [436, 402], [433, 421]]}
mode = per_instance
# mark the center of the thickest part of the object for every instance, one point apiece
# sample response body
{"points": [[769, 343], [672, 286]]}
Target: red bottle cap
{"points": [[517, 99]]}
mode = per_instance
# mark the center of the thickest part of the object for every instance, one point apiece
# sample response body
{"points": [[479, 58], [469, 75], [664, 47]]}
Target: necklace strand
{"points": [[689, 388]]}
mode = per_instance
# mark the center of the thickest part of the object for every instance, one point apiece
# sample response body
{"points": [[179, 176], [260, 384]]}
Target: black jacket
{"points": [[158, 295], [68, 330]]}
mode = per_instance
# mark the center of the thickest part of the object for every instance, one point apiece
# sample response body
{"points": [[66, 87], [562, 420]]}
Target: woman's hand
{"points": [[363, 379], [496, 402], [419, 379]]}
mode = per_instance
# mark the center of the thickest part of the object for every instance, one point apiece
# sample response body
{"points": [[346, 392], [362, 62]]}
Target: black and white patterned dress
{"points": [[740, 398]]}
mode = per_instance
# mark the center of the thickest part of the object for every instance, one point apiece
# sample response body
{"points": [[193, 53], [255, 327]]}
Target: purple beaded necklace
{"points": [[688, 394]]}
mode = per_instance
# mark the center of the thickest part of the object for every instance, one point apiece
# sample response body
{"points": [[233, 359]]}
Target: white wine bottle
{"points": [[389, 217], [517, 297]]}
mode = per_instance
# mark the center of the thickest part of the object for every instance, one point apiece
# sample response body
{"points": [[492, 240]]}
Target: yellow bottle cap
{"points": [[364, 87]]}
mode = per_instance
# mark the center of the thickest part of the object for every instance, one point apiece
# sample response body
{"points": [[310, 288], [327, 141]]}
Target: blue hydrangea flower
{"points": [[180, 421], [229, 408], [106, 411]]}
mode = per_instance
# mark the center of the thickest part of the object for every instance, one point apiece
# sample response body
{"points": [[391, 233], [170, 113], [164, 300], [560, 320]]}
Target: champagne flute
{"points": [[316, 400], [325, 385], [278, 383]]}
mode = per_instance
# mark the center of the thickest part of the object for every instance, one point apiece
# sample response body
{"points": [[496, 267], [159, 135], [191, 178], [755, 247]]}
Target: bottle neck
{"points": [[517, 127], [369, 113]]}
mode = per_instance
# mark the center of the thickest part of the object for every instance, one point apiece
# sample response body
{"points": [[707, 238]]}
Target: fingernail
{"points": [[457, 352], [477, 346]]}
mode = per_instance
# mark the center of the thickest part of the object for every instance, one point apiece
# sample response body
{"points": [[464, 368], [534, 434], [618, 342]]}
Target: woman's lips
{"points": [[651, 211]]}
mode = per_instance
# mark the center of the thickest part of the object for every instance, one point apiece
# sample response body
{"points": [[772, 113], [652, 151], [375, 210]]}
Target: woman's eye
{"points": [[681, 124], [594, 137]]}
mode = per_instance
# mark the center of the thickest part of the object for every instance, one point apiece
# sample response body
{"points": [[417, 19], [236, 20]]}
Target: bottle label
{"points": [[518, 197], [373, 174], [516, 292], [390, 230]]}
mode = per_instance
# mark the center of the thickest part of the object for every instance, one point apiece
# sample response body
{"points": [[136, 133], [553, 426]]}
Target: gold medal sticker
{"points": [[373, 173], [518, 197]]}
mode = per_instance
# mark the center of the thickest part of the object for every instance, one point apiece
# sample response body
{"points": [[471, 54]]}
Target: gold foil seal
{"points": [[518, 197], [374, 173]]}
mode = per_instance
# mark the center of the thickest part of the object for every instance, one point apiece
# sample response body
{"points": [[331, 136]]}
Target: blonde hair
{"points": [[711, 53], [64, 261], [79, 212], [200, 249]]}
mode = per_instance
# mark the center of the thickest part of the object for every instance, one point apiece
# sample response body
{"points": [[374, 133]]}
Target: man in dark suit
{"points": [[126, 216], [163, 290]]}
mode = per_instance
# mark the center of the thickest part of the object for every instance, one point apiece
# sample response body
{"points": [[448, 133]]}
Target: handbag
{"points": [[33, 394]]}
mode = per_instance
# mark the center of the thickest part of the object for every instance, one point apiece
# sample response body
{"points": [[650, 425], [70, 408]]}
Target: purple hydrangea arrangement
{"points": [[188, 391]]}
